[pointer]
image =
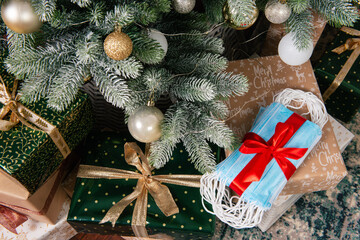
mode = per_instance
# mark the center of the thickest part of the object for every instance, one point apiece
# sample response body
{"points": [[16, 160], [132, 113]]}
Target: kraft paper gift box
{"points": [[284, 202], [342, 134], [92, 198], [277, 31], [324, 167], [34, 230], [46, 202]]}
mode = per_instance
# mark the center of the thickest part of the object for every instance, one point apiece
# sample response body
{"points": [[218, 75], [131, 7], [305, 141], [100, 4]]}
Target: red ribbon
{"points": [[266, 151], [11, 219]]}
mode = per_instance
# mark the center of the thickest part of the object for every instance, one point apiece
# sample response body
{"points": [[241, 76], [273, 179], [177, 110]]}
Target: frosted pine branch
{"points": [[82, 3], [299, 5], [198, 63], [301, 25], [44, 8], [193, 89], [337, 12], [200, 153], [228, 84], [128, 68], [65, 87], [113, 87]]}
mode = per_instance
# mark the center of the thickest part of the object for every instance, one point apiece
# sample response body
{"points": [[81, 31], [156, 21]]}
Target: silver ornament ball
{"points": [[184, 6], [277, 12], [145, 124], [20, 16], [159, 37]]}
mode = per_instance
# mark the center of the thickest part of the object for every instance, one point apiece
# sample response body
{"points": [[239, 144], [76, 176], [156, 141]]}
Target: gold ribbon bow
{"points": [[30, 119], [146, 183], [352, 44]]}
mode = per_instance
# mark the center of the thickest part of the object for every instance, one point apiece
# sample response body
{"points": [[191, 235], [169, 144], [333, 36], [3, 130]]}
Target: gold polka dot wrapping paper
{"points": [[344, 102], [30, 156], [97, 196]]}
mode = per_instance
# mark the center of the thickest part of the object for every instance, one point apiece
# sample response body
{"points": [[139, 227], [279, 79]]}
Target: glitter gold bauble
{"points": [[145, 124], [118, 45], [277, 12], [20, 16], [228, 16]]}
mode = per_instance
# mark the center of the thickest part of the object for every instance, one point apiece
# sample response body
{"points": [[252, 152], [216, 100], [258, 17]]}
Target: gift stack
{"points": [[36, 144], [324, 167], [284, 202]]}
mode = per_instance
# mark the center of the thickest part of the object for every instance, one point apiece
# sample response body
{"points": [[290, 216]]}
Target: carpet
{"points": [[331, 214]]}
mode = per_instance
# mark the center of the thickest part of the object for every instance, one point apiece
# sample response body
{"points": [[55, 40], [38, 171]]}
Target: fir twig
{"points": [[337, 12], [302, 27]]}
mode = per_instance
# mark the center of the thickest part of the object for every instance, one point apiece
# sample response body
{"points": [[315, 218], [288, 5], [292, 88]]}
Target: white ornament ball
{"points": [[289, 53], [145, 124], [184, 6], [159, 37], [277, 12], [20, 16]]}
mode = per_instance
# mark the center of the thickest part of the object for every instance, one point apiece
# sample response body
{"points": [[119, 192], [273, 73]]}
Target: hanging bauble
{"points": [[290, 54], [159, 37], [20, 16], [277, 11], [118, 45], [184, 6], [250, 20], [145, 124]]}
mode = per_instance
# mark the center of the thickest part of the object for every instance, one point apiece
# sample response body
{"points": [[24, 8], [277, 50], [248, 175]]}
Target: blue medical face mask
{"points": [[257, 196]]}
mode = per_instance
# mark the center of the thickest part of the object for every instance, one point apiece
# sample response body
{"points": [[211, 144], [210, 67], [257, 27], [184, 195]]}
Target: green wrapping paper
{"points": [[31, 156], [92, 198], [344, 103]]}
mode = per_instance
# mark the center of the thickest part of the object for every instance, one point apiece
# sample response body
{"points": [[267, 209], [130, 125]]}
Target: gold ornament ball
{"points": [[19, 16], [228, 16], [118, 46]]}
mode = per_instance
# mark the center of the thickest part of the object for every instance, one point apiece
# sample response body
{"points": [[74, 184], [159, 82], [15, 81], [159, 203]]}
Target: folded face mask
{"points": [[258, 170]]}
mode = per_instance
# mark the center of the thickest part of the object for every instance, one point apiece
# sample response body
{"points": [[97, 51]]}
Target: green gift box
{"points": [[344, 102], [92, 198], [28, 157]]}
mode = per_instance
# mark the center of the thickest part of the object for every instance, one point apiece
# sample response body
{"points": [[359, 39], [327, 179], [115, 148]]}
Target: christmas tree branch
{"points": [[299, 5], [337, 12], [301, 25], [44, 8]]}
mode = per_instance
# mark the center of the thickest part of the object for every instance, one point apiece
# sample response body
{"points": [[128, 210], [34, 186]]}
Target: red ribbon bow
{"points": [[11, 219], [266, 151]]}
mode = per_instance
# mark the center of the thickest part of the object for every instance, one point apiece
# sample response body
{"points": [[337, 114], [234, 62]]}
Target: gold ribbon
{"points": [[30, 119], [147, 183], [352, 44]]}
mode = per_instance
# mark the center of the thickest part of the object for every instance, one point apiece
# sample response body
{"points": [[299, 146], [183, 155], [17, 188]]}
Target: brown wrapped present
{"points": [[45, 204], [324, 167]]}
